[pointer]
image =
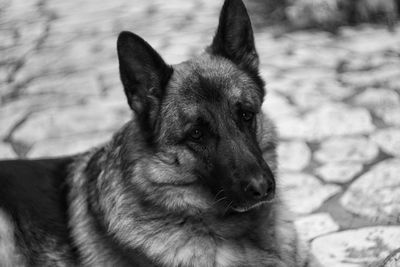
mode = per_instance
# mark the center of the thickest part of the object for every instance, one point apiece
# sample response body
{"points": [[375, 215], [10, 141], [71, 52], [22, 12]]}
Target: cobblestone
{"points": [[68, 122], [388, 140], [82, 85], [376, 194], [376, 99], [368, 41], [6, 152], [359, 247], [342, 172], [361, 62], [338, 120], [355, 149], [314, 225], [394, 84], [278, 106], [392, 260], [391, 116], [70, 146], [304, 193], [377, 77], [292, 128], [293, 156], [313, 95]]}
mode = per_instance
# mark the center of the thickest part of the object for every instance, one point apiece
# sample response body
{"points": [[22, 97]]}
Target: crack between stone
{"points": [[19, 148], [17, 65]]}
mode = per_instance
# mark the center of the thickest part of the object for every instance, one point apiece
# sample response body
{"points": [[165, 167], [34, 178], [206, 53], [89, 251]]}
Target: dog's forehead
{"points": [[213, 80]]}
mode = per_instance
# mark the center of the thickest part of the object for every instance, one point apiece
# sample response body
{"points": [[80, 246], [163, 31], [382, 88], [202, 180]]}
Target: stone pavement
{"points": [[335, 99]]}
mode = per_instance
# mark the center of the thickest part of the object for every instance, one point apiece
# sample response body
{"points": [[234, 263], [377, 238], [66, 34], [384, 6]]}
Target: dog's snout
{"points": [[258, 188], [255, 189]]}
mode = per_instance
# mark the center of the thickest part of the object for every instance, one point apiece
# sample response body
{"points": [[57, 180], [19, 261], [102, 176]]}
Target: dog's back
{"points": [[33, 208]]}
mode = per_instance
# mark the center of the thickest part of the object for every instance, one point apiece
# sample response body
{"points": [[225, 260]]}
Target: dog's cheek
{"points": [[186, 159], [178, 156], [161, 173], [162, 185], [174, 166]]}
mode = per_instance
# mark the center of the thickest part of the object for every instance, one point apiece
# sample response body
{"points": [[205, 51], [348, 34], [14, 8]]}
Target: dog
{"points": [[189, 181]]}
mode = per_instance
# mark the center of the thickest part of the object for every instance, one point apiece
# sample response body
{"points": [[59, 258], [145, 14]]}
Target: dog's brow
{"points": [[188, 110], [235, 92], [246, 97]]}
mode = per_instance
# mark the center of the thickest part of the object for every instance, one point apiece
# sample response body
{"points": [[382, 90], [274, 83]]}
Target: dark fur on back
{"points": [[35, 194], [189, 181]]}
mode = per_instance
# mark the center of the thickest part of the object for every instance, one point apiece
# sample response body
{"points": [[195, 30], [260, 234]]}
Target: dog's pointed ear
{"points": [[144, 74], [234, 38]]}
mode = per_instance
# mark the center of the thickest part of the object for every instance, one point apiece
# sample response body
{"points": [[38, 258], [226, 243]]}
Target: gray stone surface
{"points": [[394, 84], [376, 194], [393, 260], [92, 118], [70, 146], [351, 248], [292, 128], [384, 103], [314, 225], [304, 193], [388, 140], [347, 149], [391, 115], [377, 98], [319, 92], [293, 156], [6, 151], [337, 120], [278, 106], [376, 77], [339, 172]]}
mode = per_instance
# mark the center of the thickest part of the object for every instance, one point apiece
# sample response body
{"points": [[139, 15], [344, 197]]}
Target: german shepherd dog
{"points": [[189, 181]]}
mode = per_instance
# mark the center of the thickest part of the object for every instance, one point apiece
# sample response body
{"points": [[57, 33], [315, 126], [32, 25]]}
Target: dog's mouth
{"points": [[245, 208]]}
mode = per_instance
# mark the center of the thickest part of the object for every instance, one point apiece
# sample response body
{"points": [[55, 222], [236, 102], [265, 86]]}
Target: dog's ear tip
{"points": [[127, 37], [122, 39], [232, 1], [124, 35], [234, 4], [234, 37]]}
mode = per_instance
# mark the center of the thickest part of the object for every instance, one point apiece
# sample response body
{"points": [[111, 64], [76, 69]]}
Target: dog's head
{"points": [[202, 119]]}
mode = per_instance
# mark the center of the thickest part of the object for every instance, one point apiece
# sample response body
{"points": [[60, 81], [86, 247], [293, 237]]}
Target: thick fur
{"points": [[189, 181]]}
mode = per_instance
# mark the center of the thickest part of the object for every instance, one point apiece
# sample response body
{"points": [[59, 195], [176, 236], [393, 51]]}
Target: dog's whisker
{"points": [[227, 208], [219, 200], [219, 192]]}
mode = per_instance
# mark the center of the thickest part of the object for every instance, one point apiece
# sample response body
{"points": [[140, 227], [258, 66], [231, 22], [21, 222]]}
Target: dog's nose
{"points": [[258, 188]]}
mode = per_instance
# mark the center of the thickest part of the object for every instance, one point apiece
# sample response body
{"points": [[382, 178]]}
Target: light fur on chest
{"points": [[203, 251], [9, 254]]}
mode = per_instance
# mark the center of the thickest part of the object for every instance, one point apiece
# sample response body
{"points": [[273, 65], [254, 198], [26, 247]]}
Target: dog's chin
{"points": [[246, 208]]}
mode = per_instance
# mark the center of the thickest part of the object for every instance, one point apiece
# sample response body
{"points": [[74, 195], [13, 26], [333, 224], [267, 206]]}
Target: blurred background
{"points": [[332, 69]]}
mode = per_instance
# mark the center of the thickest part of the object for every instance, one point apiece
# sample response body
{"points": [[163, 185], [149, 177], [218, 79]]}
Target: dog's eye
{"points": [[247, 115], [196, 134]]}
